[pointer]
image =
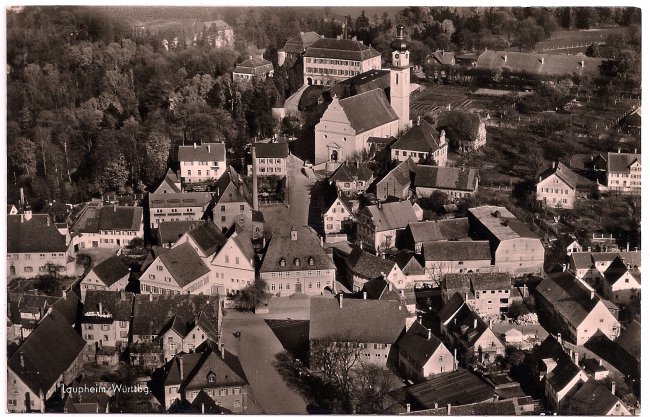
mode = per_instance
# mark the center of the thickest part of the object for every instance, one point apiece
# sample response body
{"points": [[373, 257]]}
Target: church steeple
{"points": [[400, 79]]}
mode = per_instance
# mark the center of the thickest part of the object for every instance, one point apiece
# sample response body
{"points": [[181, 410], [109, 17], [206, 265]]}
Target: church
{"points": [[348, 123]]}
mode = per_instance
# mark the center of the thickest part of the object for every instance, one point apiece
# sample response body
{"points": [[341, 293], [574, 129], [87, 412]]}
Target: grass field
{"points": [[564, 38]]}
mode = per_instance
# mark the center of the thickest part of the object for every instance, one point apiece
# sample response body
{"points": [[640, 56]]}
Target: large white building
{"points": [[624, 172], [329, 60], [202, 162], [557, 186], [100, 226]]}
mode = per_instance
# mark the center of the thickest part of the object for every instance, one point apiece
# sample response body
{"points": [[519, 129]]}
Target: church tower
{"points": [[400, 79]]}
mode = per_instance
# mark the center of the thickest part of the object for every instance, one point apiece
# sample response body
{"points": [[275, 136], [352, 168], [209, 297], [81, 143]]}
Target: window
{"points": [[211, 378], [223, 218], [30, 269], [160, 268], [241, 207]]}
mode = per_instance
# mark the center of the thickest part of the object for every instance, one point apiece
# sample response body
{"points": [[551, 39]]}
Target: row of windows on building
{"points": [[332, 62], [105, 327], [105, 338], [287, 285], [200, 172], [211, 392], [118, 233], [554, 191], [173, 219], [223, 206], [262, 169], [421, 154], [155, 290], [200, 163], [28, 256], [331, 71], [348, 185], [268, 161], [175, 210]]}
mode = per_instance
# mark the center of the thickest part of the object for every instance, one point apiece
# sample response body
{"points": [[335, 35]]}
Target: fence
{"points": [[572, 46]]}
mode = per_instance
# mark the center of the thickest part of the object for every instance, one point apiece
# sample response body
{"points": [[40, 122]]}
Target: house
{"points": [[440, 62], [11, 209], [86, 402], [421, 354], [449, 389], [382, 289], [177, 207], [347, 124], [199, 163], [170, 232], [206, 239], [170, 184], [466, 331], [233, 265], [624, 172], [378, 225], [595, 368], [232, 202], [25, 311], [411, 267], [295, 47], [329, 60], [179, 270], [576, 308], [106, 321], [590, 266], [445, 257], [455, 182], [515, 248], [181, 335], [416, 234], [106, 226], [352, 178], [339, 216], [271, 159], [253, 68], [213, 371], [111, 274], [298, 263], [35, 246], [397, 183], [546, 66], [49, 357], [592, 398], [621, 285], [363, 266], [218, 33], [421, 142], [487, 293], [557, 186], [374, 324], [476, 130]]}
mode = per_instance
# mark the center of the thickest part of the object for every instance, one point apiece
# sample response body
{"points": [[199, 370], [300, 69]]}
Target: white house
{"points": [[109, 275], [233, 266], [621, 285], [100, 226], [420, 142], [421, 354], [378, 225], [624, 172], [204, 162], [557, 186], [179, 270]]}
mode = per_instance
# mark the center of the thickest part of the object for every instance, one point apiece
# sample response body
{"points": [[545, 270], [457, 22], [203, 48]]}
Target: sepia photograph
{"points": [[365, 209]]}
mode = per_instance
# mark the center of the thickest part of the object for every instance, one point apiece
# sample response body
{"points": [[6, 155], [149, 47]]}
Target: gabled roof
{"points": [[458, 283], [152, 312], [207, 237], [563, 373], [451, 307], [401, 173], [271, 150], [170, 232], [447, 229], [501, 223], [350, 172], [616, 270], [93, 220], [446, 178], [455, 388], [469, 250], [118, 304], [467, 326], [206, 152], [367, 265], [370, 321], [564, 173], [490, 281], [307, 246], [419, 343], [630, 339], [444, 57], [407, 262], [620, 162], [362, 83], [243, 241], [507, 407], [380, 289], [421, 137], [366, 111], [254, 66], [390, 216], [184, 264], [46, 353], [299, 43], [168, 200], [548, 65], [594, 399], [582, 260], [23, 302], [170, 181], [347, 49], [38, 234], [111, 270], [231, 188]]}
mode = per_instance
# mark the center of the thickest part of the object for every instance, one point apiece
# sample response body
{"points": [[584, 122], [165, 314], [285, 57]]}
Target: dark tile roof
{"points": [[447, 229], [540, 64], [367, 110], [458, 283], [184, 264], [111, 270], [68, 306], [620, 162], [170, 181], [382, 142], [390, 216], [204, 404], [271, 150], [489, 408], [206, 152], [451, 307], [231, 188], [24, 302], [563, 373], [444, 57], [420, 138], [86, 402], [152, 312], [114, 217], [594, 399], [446, 178], [380, 289], [569, 298], [490, 281], [347, 49], [47, 352], [582, 260], [593, 365], [407, 262], [456, 388], [119, 304], [367, 265], [563, 172], [467, 326], [501, 223], [630, 339], [38, 234], [588, 161], [350, 172], [307, 246], [615, 271], [370, 321], [362, 83], [254, 66], [170, 232], [419, 343], [299, 43], [168, 200], [401, 173], [456, 250], [208, 237], [243, 240]]}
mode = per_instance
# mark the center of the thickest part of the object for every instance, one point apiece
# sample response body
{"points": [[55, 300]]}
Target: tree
{"points": [[528, 33], [252, 295], [458, 126], [156, 148]]}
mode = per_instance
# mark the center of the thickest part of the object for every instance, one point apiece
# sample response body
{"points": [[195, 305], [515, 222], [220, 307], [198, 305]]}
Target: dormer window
{"points": [[282, 262], [310, 261], [296, 262], [211, 377]]}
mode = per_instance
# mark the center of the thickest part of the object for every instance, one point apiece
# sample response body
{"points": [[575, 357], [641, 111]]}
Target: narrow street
{"points": [[299, 192]]}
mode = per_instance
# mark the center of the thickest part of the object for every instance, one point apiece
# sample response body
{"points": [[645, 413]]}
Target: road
{"points": [[299, 192]]}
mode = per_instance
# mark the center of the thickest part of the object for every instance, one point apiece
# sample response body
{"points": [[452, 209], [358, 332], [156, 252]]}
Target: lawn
{"points": [[564, 38]]}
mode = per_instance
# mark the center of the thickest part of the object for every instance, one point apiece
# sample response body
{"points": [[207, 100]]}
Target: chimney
{"points": [[576, 358], [582, 63], [122, 296], [490, 324], [365, 295], [613, 387], [47, 220], [420, 319], [338, 36], [379, 205], [428, 334], [475, 322], [418, 122], [194, 145], [22, 218], [321, 241], [563, 267], [541, 60], [435, 405], [150, 296], [619, 149], [255, 196], [466, 296], [600, 362], [294, 235], [21, 355], [559, 339], [505, 58], [180, 366], [223, 351], [408, 407], [41, 395], [443, 138], [101, 308], [64, 295], [592, 294], [203, 408], [448, 409], [208, 148], [22, 197], [341, 300], [635, 150], [455, 358]]}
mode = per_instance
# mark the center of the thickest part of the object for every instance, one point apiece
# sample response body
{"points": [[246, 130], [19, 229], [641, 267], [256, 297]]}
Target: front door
{"points": [[298, 287]]}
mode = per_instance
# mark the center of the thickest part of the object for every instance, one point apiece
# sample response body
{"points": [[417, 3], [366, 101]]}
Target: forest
{"points": [[95, 106]]}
